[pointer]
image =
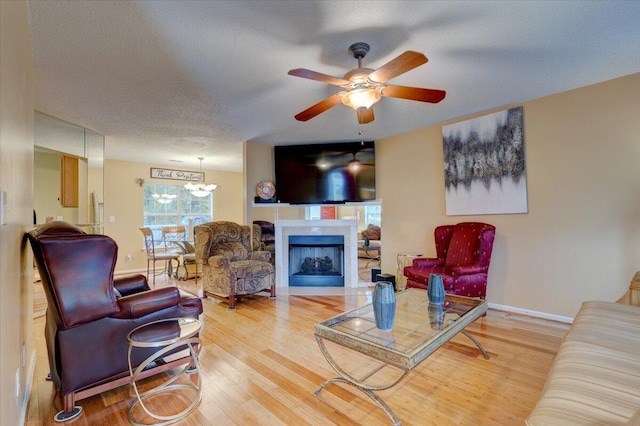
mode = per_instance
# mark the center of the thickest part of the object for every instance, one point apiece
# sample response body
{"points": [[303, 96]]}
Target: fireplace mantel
{"points": [[347, 228]]}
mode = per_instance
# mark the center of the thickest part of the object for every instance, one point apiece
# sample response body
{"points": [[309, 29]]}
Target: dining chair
{"points": [[176, 240], [153, 256], [172, 235]]}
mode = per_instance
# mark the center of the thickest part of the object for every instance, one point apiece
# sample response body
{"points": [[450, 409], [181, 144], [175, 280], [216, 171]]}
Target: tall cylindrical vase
{"points": [[435, 289], [384, 305]]}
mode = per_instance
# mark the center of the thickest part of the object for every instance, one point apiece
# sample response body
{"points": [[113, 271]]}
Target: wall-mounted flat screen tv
{"points": [[325, 173]]}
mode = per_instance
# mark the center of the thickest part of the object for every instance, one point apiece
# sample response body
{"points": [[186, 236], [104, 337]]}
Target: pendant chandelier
{"points": [[164, 198], [200, 189]]}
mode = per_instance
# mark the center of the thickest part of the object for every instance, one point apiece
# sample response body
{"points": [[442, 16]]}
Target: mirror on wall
{"points": [[68, 173]]}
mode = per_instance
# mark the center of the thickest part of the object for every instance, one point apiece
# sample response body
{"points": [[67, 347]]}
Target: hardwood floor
{"points": [[260, 366]]}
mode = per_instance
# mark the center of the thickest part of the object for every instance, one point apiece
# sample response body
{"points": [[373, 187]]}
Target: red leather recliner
{"points": [[90, 314], [464, 253]]}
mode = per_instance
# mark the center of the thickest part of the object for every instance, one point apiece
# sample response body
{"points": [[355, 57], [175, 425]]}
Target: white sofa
{"points": [[595, 377]]}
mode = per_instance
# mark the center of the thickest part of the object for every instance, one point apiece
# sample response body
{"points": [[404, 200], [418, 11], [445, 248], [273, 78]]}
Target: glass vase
{"points": [[384, 305], [435, 289]]}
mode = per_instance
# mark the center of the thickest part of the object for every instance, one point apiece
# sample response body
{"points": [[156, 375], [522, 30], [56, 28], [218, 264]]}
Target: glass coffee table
{"points": [[420, 328]]}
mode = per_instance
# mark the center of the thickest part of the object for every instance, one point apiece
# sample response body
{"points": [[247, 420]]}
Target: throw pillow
{"points": [[372, 232]]}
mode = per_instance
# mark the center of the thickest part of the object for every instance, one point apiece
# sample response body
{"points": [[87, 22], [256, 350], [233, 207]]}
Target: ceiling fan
{"points": [[363, 87]]}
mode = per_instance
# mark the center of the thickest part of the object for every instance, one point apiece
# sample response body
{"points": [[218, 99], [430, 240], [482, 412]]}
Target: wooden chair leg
{"points": [[175, 273], [232, 303]]}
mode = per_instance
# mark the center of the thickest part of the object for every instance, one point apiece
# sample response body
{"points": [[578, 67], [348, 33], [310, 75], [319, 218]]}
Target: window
{"points": [[373, 215], [312, 213], [172, 205]]}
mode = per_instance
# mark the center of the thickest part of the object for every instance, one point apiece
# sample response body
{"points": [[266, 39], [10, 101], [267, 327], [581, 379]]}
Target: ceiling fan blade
{"points": [[365, 115], [320, 107], [401, 64], [313, 75], [414, 93]]}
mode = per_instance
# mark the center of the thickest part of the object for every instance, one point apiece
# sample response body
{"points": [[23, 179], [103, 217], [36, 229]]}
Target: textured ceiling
{"points": [[174, 80]]}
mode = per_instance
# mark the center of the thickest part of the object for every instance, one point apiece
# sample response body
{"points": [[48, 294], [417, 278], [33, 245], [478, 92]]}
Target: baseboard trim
{"points": [[142, 271], [535, 314], [27, 390]]}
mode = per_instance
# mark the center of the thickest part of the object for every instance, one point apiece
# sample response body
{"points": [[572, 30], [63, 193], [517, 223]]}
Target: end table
{"points": [[166, 335], [404, 259]]}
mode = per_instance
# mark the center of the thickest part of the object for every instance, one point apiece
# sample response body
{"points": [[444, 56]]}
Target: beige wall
{"points": [[46, 191], [258, 160], [258, 165], [96, 183], [16, 172], [580, 239], [123, 200], [46, 188]]}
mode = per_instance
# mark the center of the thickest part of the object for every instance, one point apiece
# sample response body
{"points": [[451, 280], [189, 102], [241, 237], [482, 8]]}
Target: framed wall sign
{"points": [[158, 173]]}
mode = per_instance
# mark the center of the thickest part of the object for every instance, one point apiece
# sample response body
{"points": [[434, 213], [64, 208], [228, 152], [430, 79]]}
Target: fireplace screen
{"points": [[316, 260]]}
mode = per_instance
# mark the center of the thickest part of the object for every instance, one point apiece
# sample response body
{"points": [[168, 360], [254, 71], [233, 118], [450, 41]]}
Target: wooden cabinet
{"points": [[69, 181]]}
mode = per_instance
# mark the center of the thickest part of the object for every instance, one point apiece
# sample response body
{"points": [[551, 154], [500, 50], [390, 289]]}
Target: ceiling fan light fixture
{"points": [[364, 87], [200, 189], [354, 165], [361, 98], [323, 164]]}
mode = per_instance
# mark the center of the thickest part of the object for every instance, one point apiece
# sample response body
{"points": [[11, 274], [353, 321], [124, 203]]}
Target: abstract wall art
{"points": [[484, 165]]}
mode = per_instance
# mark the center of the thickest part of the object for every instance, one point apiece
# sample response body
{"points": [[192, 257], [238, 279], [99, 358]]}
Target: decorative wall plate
{"points": [[266, 190]]}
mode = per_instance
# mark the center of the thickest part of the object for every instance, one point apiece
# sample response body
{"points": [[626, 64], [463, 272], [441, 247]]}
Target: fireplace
{"points": [[316, 260], [347, 229]]}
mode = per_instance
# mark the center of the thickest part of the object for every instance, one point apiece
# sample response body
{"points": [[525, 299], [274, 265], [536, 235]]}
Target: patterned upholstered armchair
{"points": [[267, 237], [464, 253], [231, 268]]}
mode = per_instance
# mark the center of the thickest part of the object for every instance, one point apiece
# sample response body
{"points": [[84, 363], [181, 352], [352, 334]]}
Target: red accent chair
{"points": [[90, 313], [464, 254]]}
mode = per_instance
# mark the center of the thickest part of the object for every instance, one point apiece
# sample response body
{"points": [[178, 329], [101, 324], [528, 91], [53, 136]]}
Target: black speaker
{"points": [[374, 273], [387, 277]]}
